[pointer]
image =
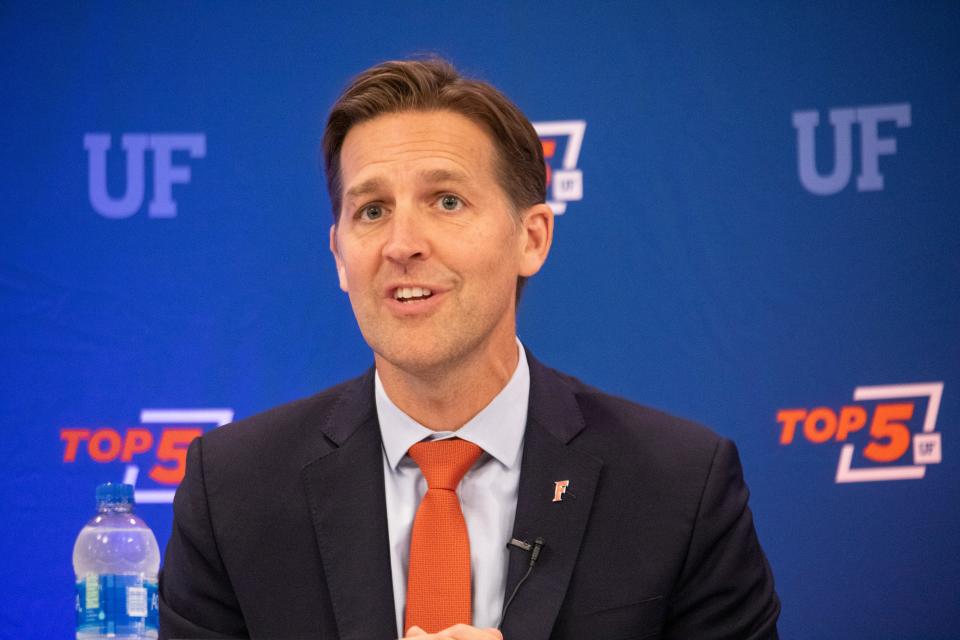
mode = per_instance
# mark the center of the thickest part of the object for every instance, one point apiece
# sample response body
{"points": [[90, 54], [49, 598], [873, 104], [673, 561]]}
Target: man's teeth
{"points": [[410, 293]]}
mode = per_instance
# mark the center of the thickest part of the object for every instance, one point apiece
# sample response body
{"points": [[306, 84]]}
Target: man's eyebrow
{"points": [[444, 175], [363, 189]]}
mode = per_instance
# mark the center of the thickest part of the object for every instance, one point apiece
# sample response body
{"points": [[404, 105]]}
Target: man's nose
{"points": [[407, 240]]}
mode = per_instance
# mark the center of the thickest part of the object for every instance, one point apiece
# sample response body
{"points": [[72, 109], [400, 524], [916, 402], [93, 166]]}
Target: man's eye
{"points": [[371, 212], [450, 203]]}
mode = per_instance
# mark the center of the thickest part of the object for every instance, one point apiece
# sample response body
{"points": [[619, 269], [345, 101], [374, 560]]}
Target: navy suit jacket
{"points": [[280, 526]]}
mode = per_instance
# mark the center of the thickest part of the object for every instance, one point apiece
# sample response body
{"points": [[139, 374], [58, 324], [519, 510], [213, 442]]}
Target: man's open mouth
{"points": [[410, 294]]}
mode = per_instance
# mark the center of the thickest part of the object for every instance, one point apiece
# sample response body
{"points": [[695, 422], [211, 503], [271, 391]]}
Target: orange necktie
{"points": [[438, 578]]}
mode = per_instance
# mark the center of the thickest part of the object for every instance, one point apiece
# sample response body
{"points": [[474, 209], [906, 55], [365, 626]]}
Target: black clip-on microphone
{"points": [[534, 550]]}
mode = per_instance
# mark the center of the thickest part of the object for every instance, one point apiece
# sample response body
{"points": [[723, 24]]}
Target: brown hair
{"points": [[432, 84]]}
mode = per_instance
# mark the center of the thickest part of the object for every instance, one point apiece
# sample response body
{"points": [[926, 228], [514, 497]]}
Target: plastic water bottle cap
{"points": [[115, 493]]}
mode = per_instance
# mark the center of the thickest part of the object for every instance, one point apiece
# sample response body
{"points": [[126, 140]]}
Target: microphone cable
{"points": [[534, 550]]}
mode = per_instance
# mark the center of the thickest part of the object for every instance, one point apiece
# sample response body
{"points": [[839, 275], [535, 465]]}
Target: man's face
{"points": [[428, 246]]}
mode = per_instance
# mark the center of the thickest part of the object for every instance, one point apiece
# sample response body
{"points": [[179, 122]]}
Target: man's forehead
{"points": [[419, 121], [408, 136]]}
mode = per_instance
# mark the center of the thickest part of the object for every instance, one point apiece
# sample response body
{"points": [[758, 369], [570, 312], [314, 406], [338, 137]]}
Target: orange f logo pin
{"points": [[560, 488]]}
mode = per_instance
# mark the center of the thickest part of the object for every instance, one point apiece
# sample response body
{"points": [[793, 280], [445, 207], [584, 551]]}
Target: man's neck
{"points": [[445, 399]]}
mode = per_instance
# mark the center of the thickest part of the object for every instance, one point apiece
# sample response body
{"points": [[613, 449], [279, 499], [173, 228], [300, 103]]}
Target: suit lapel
{"points": [[553, 420], [345, 491]]}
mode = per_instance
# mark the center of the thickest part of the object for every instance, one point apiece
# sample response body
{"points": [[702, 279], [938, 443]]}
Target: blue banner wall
{"points": [[759, 232]]}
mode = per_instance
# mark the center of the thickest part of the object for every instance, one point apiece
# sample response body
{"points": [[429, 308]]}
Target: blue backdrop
{"points": [[760, 233]]}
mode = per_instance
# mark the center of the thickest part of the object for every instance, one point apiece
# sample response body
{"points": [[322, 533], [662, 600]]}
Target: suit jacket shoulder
{"points": [[617, 421], [669, 547], [644, 448], [244, 556], [294, 432]]}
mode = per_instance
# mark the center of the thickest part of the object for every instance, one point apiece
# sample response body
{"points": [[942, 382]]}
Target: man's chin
{"points": [[423, 357], [419, 362]]}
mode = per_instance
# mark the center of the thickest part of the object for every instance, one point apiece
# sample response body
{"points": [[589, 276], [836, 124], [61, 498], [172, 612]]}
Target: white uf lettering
{"points": [[165, 172], [872, 146]]}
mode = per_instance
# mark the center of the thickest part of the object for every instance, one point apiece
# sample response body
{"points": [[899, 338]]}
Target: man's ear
{"points": [[537, 236], [341, 271]]}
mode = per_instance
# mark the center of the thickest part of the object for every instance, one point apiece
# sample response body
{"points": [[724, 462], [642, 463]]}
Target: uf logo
{"points": [[165, 173], [872, 146]]}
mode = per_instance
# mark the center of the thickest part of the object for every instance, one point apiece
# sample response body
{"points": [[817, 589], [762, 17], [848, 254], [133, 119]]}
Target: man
{"points": [[460, 485]]}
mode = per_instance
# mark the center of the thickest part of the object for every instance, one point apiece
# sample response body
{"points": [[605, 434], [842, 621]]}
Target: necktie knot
{"points": [[444, 462]]}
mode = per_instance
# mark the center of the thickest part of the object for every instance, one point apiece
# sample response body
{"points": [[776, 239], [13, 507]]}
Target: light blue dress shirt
{"points": [[488, 491]]}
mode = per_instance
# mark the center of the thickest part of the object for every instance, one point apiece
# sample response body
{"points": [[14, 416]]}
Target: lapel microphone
{"points": [[534, 550]]}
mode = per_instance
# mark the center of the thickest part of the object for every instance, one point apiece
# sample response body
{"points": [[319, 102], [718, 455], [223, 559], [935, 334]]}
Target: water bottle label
{"points": [[116, 604], [136, 602]]}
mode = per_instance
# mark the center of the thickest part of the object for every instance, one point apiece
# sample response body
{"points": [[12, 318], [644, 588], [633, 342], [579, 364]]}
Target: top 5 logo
{"points": [[893, 413], [564, 180], [161, 439]]}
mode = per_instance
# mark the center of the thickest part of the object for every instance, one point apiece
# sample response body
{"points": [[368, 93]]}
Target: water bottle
{"points": [[116, 560]]}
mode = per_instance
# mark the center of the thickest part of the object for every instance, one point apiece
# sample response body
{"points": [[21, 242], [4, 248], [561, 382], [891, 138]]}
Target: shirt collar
{"points": [[497, 429]]}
